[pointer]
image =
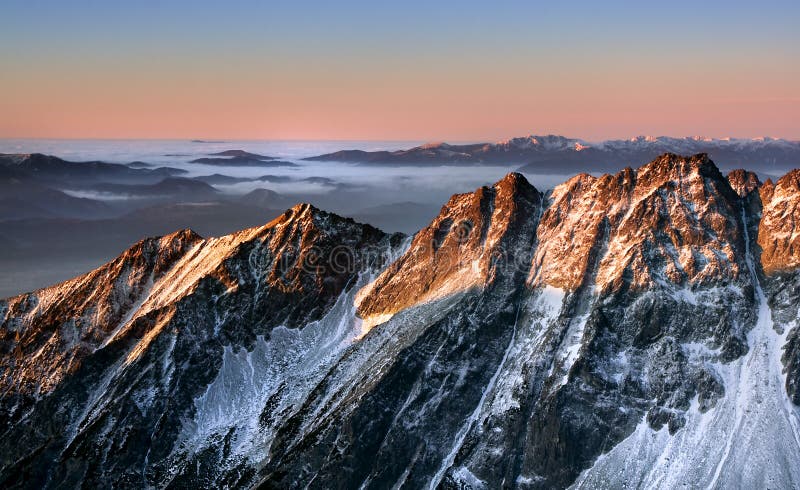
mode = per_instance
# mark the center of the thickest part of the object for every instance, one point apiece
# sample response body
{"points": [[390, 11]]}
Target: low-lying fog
{"points": [[38, 251], [339, 187]]}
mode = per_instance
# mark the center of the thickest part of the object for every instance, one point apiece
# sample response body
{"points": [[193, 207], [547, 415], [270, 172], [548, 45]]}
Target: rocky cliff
{"points": [[634, 329]]}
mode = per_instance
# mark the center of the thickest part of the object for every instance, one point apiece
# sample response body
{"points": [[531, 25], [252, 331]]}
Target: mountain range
{"points": [[634, 329], [554, 154]]}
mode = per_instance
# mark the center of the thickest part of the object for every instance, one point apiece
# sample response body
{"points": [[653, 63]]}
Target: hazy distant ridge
{"points": [[553, 153]]}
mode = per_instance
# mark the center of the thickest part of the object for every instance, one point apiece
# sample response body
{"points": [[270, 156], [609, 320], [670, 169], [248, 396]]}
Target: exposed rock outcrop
{"points": [[635, 329]]}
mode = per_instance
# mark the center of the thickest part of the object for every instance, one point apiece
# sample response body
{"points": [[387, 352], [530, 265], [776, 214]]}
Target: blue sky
{"points": [[322, 56]]}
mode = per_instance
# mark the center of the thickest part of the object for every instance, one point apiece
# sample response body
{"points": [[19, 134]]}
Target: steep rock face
{"points": [[64, 323], [779, 241], [475, 238], [568, 363], [642, 313], [778, 236], [392, 405], [755, 425], [619, 331], [159, 327], [743, 182], [632, 273], [675, 219], [397, 405]]}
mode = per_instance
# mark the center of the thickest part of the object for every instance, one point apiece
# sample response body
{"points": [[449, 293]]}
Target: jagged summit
{"points": [[743, 181], [476, 238], [73, 318], [778, 235], [674, 219], [308, 212], [671, 166], [545, 142], [790, 182], [291, 256], [458, 250], [515, 182], [305, 216], [298, 212], [636, 328]]}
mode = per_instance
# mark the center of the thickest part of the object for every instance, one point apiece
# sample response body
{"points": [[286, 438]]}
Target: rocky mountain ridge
{"points": [[639, 328], [51, 169], [536, 154]]}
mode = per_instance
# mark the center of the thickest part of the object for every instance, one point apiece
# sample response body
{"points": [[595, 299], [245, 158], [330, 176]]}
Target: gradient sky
{"points": [[408, 70]]}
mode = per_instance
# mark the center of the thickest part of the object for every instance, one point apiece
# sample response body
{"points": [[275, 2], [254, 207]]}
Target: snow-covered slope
{"points": [[639, 329], [95, 367]]}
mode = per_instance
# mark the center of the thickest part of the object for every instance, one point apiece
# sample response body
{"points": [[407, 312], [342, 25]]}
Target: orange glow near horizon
{"points": [[394, 75], [384, 110]]}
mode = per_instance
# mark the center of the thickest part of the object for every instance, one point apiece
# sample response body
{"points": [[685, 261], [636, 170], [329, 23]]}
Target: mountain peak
{"points": [[304, 217], [778, 236], [290, 263], [743, 181], [299, 213], [667, 221], [544, 342], [304, 209], [790, 181], [672, 168], [475, 241], [544, 142], [515, 183], [434, 145], [93, 305], [560, 154], [668, 162]]}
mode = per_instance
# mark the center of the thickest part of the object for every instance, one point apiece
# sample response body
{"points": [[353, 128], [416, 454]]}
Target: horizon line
{"points": [[221, 140]]}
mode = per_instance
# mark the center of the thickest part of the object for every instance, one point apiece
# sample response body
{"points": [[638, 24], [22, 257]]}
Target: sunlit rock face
{"points": [[475, 238], [778, 236], [779, 241], [46, 334], [630, 330], [114, 358], [674, 220], [743, 182]]}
